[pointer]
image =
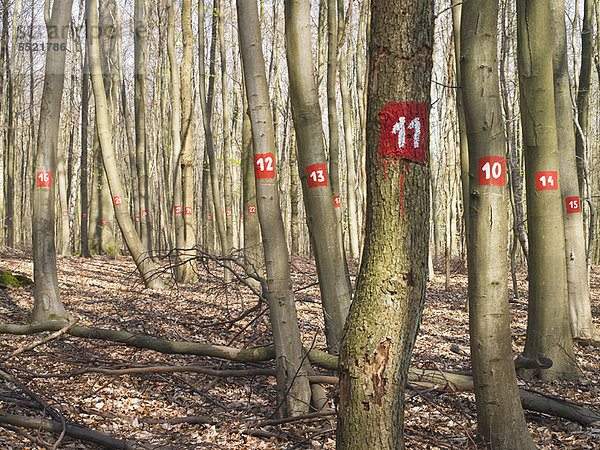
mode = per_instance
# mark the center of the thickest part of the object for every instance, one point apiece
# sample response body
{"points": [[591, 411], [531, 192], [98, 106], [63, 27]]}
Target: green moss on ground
{"points": [[9, 279]]}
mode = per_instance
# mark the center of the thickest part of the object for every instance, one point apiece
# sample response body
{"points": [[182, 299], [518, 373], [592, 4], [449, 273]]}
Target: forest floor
{"points": [[143, 408]]}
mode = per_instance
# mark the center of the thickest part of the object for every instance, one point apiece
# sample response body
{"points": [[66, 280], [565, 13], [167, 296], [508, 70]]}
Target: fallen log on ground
{"points": [[417, 378], [72, 431]]}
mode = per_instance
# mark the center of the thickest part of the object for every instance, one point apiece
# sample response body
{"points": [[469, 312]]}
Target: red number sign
{"points": [[84, 215], [209, 218], [337, 203], [118, 200], [178, 210], [264, 165], [317, 175], [546, 181], [144, 213], [404, 131], [44, 179], [137, 218], [251, 209], [65, 213], [169, 224], [573, 205], [103, 222], [188, 210], [242, 216], [9, 218], [492, 171], [228, 212]]}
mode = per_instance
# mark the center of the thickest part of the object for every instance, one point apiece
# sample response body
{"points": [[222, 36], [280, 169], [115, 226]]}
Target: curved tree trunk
{"points": [[292, 367], [500, 420], [386, 311], [140, 255], [47, 304], [548, 329], [320, 215]]}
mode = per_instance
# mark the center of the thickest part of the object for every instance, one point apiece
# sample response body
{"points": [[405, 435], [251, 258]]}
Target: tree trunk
{"points": [[583, 93], [186, 271], [577, 276], [83, 189], [140, 49], [318, 198], [349, 140], [47, 303], [548, 329], [385, 314], [292, 367], [500, 419], [140, 255]]}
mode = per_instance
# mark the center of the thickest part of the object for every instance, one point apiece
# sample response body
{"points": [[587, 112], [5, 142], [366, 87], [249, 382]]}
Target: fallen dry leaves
{"points": [[106, 293]]}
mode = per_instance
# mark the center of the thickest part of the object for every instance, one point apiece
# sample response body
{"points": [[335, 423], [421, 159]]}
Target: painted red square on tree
{"points": [[492, 171], [228, 212], [144, 213], [137, 218], [118, 200], [103, 222], [546, 180], [188, 210], [264, 165], [84, 215], [573, 205], [65, 213], [44, 179], [252, 209], [337, 202], [316, 175], [178, 210], [404, 131], [209, 218]]}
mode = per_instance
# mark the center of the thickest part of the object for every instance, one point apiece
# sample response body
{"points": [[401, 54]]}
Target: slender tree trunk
{"points": [[349, 140], [140, 255], [292, 367], [83, 188], [186, 271], [548, 329], [577, 276], [321, 218], [140, 49], [500, 420], [386, 311], [47, 303]]}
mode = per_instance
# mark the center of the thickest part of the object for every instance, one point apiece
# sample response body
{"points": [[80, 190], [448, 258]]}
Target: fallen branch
{"points": [[35, 344], [194, 420], [73, 431], [256, 354], [521, 362]]}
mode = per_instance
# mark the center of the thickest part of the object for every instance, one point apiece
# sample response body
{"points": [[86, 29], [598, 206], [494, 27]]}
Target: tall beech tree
{"points": [[386, 311], [548, 328], [321, 218], [500, 419], [292, 367], [139, 253], [47, 303], [577, 277]]}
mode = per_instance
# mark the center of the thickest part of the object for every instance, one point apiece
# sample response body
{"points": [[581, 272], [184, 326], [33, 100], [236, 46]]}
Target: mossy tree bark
{"points": [[139, 253], [292, 367], [47, 304], [386, 311], [577, 276], [548, 329], [321, 218], [500, 419]]}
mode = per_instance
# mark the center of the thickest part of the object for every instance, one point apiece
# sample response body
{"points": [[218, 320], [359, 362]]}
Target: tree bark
{"points": [[47, 303], [577, 276], [386, 311], [548, 329], [500, 419], [318, 198], [140, 255], [292, 385]]}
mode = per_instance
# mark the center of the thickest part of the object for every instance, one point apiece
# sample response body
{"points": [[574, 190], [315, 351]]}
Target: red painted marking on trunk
{"points": [[404, 132], [44, 179]]}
